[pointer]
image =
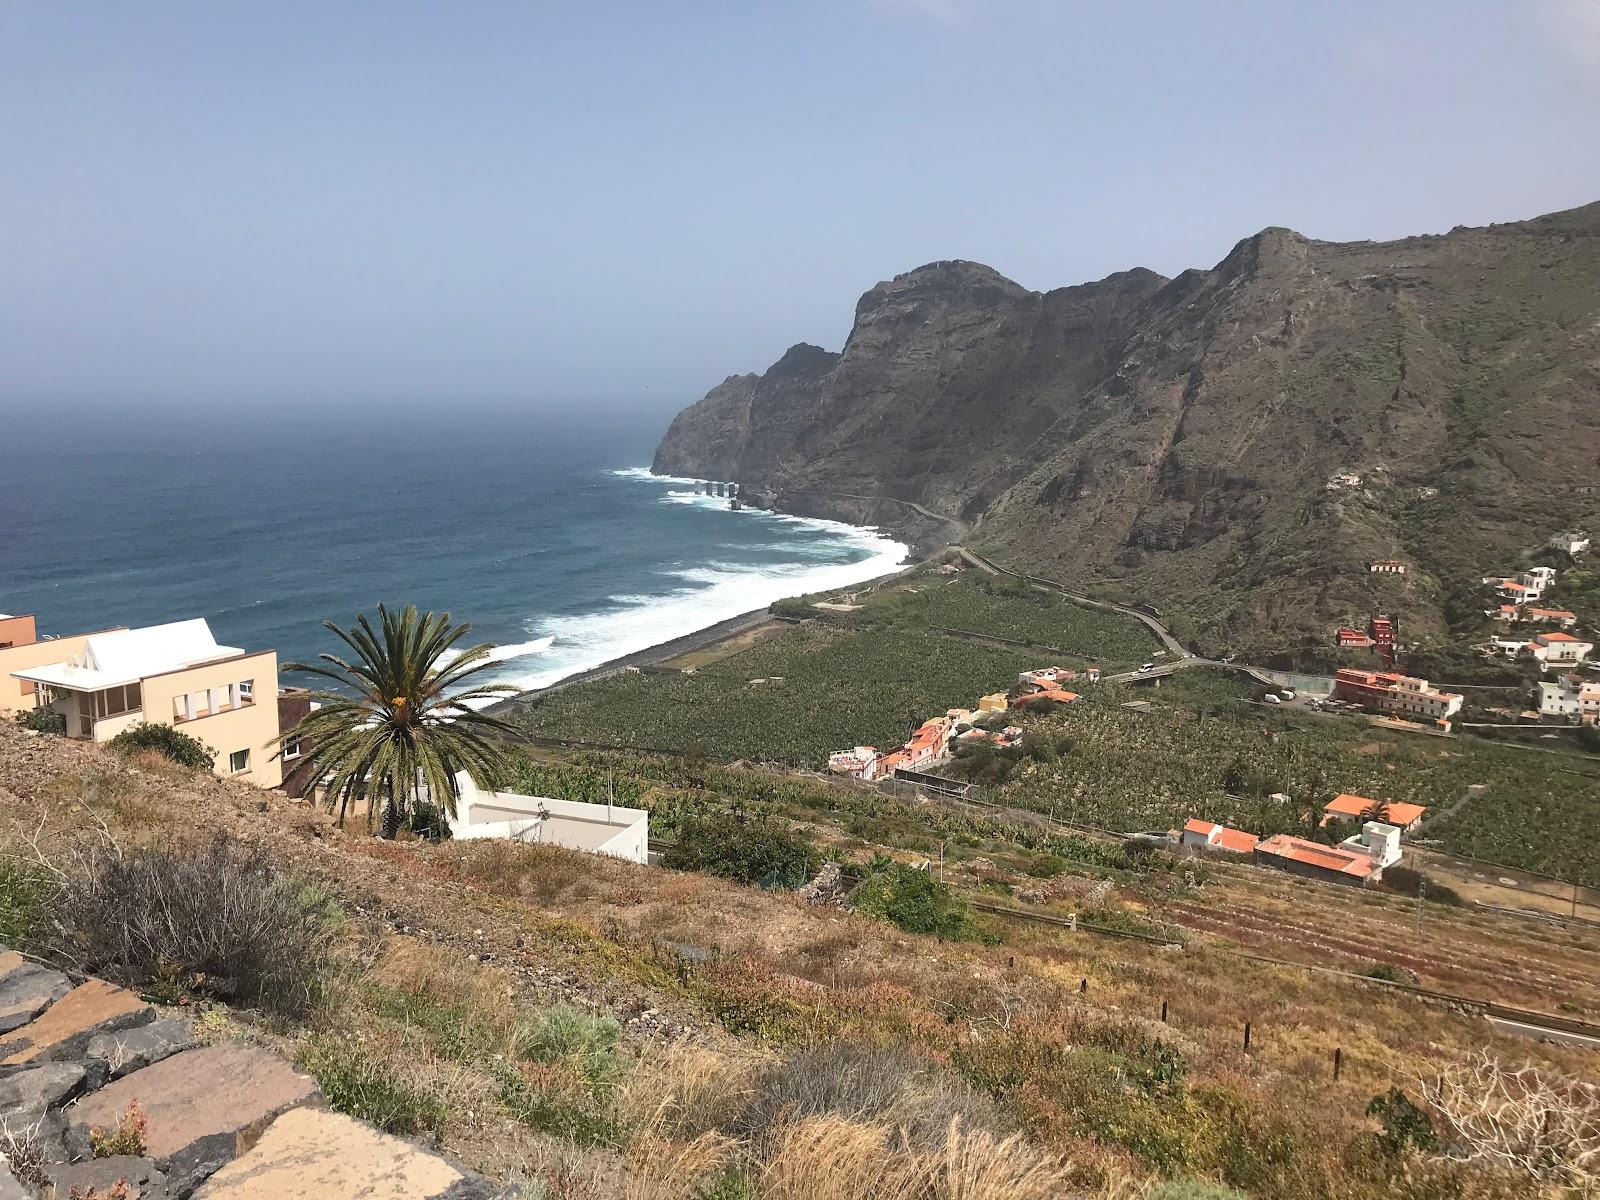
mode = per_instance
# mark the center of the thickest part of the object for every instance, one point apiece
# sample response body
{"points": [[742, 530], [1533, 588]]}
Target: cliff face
{"points": [[1174, 440]]}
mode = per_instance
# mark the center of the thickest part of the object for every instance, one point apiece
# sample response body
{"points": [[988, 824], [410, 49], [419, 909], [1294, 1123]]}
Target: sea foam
{"points": [[697, 596]]}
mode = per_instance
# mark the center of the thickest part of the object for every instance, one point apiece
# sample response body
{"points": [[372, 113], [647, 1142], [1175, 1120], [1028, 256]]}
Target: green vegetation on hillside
{"points": [[823, 689], [1010, 608], [1202, 752]]}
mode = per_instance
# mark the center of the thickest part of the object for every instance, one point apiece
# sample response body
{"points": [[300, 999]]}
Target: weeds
{"points": [[126, 1139], [361, 1084]]}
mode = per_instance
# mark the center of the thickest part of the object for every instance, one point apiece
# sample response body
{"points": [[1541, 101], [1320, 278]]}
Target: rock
{"points": [[26, 990], [66, 1026], [312, 1154], [10, 1189], [141, 1178], [48, 1085], [134, 1049], [202, 1107]]}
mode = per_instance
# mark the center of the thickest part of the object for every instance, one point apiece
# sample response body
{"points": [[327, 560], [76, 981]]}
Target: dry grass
{"points": [[682, 1091], [833, 1158], [662, 1169]]}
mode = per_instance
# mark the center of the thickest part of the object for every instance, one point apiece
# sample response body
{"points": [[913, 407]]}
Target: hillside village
{"points": [[1526, 632]]}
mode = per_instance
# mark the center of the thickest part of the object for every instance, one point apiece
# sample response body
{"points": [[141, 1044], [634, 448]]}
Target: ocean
{"points": [[560, 548]]}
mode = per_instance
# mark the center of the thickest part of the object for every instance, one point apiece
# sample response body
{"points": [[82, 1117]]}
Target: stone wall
{"points": [[81, 1059]]}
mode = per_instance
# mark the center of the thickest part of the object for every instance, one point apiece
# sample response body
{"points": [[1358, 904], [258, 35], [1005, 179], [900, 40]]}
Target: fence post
{"points": [[1247, 1035], [1083, 988], [1163, 1012], [1338, 1062]]}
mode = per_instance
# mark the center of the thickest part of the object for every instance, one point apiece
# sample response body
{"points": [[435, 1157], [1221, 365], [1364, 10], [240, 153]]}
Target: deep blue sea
{"points": [[559, 548]]}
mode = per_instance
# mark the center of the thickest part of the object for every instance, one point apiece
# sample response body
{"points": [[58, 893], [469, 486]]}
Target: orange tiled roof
{"points": [[1556, 637], [1401, 813], [1237, 840], [1329, 858]]}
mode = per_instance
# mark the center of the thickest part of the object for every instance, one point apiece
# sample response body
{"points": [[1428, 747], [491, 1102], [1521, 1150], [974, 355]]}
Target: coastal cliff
{"points": [[1235, 443]]}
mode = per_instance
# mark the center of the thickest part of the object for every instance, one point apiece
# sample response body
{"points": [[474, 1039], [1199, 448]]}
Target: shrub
{"points": [[126, 1138], [1047, 866], [166, 741], [893, 1087], [43, 720], [426, 820], [585, 1041], [760, 850], [25, 894], [1391, 973], [1194, 1189], [917, 902], [215, 917], [358, 1083], [1404, 1124]]}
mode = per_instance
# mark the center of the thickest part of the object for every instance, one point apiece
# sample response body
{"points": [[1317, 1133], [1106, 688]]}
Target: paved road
{"points": [[1563, 1037], [960, 525]]}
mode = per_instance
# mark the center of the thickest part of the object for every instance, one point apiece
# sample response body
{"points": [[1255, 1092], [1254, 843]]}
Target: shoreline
{"points": [[698, 639]]}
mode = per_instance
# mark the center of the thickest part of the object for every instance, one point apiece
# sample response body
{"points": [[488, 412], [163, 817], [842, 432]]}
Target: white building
{"points": [[861, 761], [1380, 841], [1559, 649], [1572, 542], [1561, 617], [1415, 697], [1571, 697], [609, 829]]}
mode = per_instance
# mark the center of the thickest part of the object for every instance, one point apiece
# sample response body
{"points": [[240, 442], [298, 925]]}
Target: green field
{"points": [[1007, 608], [840, 688], [1204, 753]]}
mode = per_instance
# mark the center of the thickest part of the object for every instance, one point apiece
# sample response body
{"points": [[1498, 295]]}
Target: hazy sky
{"points": [[538, 203]]}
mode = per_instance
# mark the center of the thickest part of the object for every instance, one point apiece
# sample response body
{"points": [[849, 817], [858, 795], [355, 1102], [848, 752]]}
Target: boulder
{"points": [[134, 1049], [140, 1177], [312, 1154], [26, 990], [202, 1108], [10, 1189], [49, 1085], [64, 1029]]}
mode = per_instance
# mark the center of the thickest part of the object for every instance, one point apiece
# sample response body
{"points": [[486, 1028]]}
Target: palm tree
{"points": [[1378, 810], [401, 716]]}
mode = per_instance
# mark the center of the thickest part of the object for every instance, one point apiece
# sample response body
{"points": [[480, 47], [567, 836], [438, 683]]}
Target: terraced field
{"points": [[794, 698], [1202, 753]]}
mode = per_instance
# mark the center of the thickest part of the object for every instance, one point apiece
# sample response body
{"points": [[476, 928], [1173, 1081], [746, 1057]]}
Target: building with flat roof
{"points": [[610, 829], [175, 674], [1402, 695]]}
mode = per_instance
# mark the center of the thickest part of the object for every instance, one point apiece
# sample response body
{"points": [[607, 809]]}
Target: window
{"points": [[292, 749], [238, 761], [247, 691]]}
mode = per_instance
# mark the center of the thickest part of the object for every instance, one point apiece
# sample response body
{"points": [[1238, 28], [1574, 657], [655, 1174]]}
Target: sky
{"points": [[603, 209]]}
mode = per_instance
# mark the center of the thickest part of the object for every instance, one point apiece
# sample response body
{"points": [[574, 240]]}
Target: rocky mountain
{"points": [[1232, 445]]}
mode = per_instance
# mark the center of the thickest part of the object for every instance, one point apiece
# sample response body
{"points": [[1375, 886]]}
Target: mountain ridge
{"points": [[1174, 440]]}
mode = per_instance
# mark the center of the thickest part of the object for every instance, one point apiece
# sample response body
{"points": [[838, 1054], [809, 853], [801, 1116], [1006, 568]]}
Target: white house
{"points": [[608, 829], [1380, 841], [1571, 542], [1570, 697], [1559, 649], [861, 761]]}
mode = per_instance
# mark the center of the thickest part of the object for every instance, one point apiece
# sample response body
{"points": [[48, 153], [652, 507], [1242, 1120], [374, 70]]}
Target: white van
{"points": [[1273, 698]]}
